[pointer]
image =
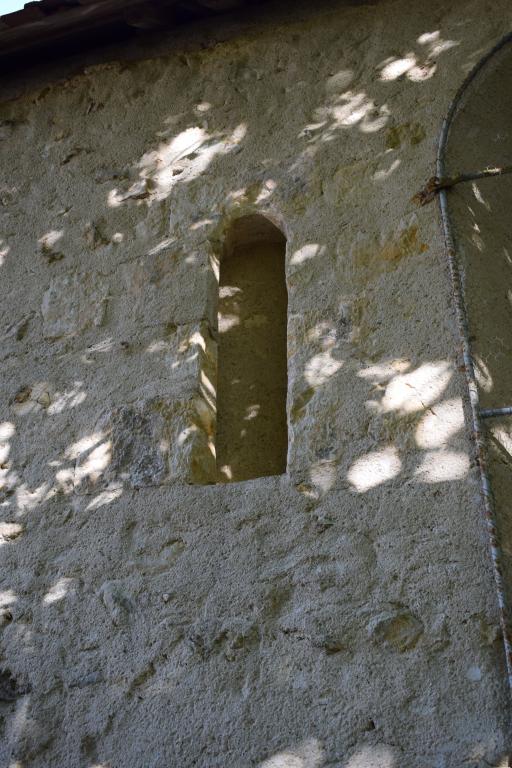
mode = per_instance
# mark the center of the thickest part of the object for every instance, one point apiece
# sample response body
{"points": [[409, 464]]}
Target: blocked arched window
{"points": [[252, 433]]}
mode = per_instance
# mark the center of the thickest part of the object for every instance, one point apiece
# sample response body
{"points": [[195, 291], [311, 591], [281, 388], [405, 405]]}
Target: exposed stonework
{"points": [[71, 304], [341, 615]]}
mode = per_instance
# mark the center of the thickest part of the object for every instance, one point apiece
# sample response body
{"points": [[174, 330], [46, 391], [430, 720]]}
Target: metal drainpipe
{"points": [[474, 398]]}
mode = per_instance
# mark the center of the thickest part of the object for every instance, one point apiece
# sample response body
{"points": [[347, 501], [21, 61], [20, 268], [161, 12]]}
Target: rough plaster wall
{"points": [[342, 614]]}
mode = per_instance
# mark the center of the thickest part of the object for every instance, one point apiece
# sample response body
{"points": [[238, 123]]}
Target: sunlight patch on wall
{"points": [[395, 68], [4, 250], [27, 499], [382, 372], [51, 238], [7, 597], [105, 345], [182, 159], [503, 437], [5, 450], [372, 757], [306, 253], [349, 109], [418, 389], [96, 463], [10, 531], [382, 174], [310, 754], [68, 399], [7, 430], [442, 422], [323, 476], [267, 189], [374, 468], [482, 374], [479, 197], [58, 591], [414, 66], [83, 445], [320, 368], [32, 398], [442, 466], [106, 497]]}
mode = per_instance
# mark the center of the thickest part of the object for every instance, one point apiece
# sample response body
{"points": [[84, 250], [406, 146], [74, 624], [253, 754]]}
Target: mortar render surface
{"points": [[341, 614]]}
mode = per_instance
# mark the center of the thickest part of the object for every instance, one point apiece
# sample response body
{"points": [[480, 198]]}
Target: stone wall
{"points": [[342, 614]]}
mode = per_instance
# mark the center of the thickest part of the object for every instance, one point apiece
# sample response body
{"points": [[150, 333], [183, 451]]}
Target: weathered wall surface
{"points": [[342, 614]]}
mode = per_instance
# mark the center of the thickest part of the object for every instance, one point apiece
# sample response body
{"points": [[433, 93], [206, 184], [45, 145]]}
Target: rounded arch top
{"points": [[252, 228]]}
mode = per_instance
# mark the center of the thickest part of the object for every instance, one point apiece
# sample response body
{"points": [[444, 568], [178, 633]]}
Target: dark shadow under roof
{"points": [[49, 28]]}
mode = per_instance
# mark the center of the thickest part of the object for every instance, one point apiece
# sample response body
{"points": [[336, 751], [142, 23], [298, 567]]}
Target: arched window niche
{"points": [[252, 431]]}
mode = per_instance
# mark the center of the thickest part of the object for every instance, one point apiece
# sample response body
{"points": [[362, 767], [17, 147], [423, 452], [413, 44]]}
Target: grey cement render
{"points": [[342, 614]]}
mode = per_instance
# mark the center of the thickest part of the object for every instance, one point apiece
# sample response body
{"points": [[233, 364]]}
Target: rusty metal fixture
{"points": [[435, 184]]}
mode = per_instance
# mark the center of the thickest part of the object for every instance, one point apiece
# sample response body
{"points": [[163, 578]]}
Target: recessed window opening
{"points": [[252, 431]]}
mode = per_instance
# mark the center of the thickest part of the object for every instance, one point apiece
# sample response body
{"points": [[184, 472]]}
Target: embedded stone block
{"points": [[152, 442], [73, 303]]}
